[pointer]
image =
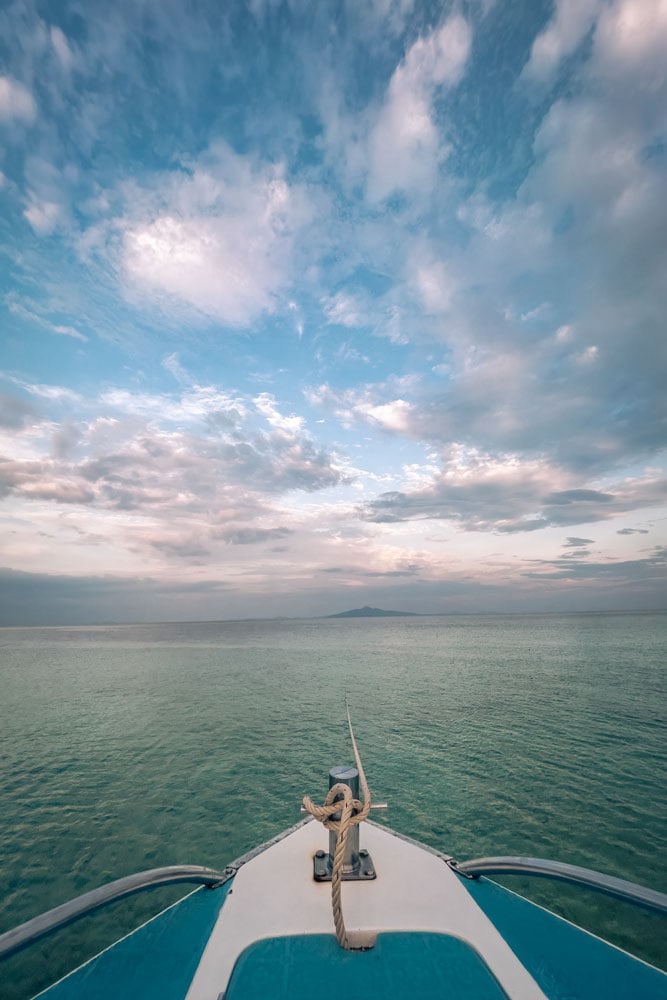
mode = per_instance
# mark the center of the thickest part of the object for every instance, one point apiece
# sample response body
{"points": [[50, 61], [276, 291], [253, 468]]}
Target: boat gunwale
{"points": [[64, 914]]}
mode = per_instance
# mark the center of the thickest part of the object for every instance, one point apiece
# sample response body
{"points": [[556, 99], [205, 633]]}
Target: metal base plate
{"points": [[323, 865]]}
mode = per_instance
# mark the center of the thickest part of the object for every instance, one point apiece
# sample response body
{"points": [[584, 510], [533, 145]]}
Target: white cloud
{"points": [[49, 187], [417, 477], [219, 238], [16, 101], [393, 416], [629, 40], [266, 405], [344, 310], [173, 365], [435, 283], [405, 146], [198, 262], [195, 404], [589, 355], [68, 331], [376, 405], [38, 314], [57, 393], [43, 215], [632, 36], [61, 48], [298, 318], [571, 21], [438, 59]]}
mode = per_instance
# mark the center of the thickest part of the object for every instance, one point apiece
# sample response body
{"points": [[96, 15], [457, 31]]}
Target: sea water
{"points": [[132, 747]]}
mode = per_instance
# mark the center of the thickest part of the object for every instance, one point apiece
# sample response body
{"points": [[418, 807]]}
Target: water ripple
{"points": [[130, 747]]}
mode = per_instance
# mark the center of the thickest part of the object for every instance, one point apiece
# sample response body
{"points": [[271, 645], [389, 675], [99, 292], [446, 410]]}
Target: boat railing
{"points": [[60, 916], [611, 885]]}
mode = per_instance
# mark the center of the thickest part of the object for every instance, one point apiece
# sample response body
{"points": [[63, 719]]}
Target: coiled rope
{"points": [[351, 811]]}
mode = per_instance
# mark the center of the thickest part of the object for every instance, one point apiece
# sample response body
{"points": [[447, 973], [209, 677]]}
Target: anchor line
{"points": [[352, 812]]}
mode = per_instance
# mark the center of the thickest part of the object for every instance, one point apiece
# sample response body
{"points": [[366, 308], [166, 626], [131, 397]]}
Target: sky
{"points": [[306, 306]]}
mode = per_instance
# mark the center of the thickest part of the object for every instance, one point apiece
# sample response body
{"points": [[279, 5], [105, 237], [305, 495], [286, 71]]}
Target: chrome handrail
{"points": [[620, 888], [60, 916]]}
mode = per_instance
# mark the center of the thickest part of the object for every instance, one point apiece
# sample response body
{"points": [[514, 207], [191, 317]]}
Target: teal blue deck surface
{"points": [[157, 960], [567, 962], [401, 965]]}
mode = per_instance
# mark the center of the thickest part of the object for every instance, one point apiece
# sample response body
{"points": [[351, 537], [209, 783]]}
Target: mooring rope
{"points": [[351, 811]]}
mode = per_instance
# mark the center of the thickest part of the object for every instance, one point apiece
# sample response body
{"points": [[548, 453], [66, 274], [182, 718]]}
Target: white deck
{"points": [[275, 895]]}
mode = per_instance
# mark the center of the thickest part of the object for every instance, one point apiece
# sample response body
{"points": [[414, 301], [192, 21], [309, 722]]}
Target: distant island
{"points": [[367, 612]]}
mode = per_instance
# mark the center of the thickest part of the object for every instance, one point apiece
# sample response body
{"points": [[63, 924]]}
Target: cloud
{"points": [[478, 494], [621, 572], [372, 405], [16, 102], [410, 570], [435, 283], [186, 547], [481, 493], [343, 309], [36, 313], [266, 405], [568, 497], [43, 216], [194, 403], [61, 48], [632, 531], [521, 375], [35, 481], [69, 331], [66, 437], [255, 536], [49, 191], [571, 21], [404, 147], [537, 360], [395, 144], [575, 543], [181, 476], [218, 236], [171, 470], [172, 364], [54, 393], [15, 412], [630, 39], [393, 416]]}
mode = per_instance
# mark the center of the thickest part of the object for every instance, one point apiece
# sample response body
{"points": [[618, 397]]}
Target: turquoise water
{"points": [[129, 747]]}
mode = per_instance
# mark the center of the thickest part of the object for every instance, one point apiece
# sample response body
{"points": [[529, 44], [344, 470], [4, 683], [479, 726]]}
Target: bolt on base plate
{"points": [[363, 872]]}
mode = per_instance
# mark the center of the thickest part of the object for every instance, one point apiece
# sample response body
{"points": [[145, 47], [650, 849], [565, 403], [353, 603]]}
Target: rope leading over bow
{"points": [[351, 811]]}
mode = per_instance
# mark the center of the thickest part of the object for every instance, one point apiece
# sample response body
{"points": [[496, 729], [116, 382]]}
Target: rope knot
{"points": [[325, 813]]}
